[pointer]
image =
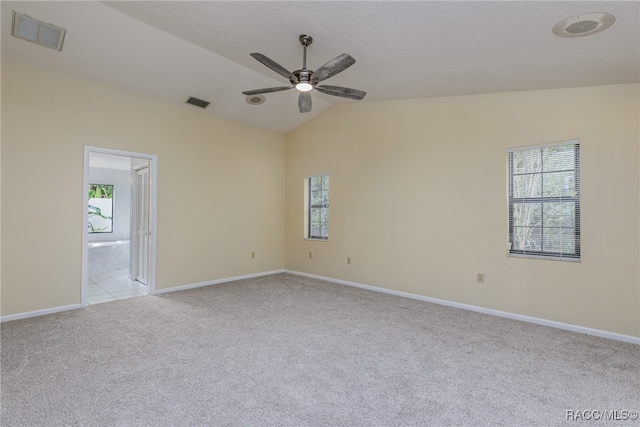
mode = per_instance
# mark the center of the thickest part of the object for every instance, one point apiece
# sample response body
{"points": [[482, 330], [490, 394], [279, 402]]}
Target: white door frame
{"points": [[153, 196]]}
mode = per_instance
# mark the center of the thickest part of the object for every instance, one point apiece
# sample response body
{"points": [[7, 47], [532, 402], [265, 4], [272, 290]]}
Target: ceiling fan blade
{"points": [[274, 66], [343, 92], [266, 90], [333, 67], [304, 102]]}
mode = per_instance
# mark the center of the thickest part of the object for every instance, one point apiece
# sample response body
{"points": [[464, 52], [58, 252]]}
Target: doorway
{"points": [[118, 258]]}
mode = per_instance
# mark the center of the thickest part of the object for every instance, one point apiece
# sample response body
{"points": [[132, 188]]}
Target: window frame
{"points": [[575, 199], [309, 208]]}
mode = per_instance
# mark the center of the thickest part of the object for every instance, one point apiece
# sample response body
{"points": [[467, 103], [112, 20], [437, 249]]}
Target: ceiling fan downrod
{"points": [[306, 41]]}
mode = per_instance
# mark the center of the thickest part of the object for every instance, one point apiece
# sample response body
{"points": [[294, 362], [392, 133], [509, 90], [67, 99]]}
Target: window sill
{"points": [[548, 258], [315, 240]]}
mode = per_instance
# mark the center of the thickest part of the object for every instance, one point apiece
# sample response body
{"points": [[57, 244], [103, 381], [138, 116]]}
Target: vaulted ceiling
{"points": [[175, 49]]}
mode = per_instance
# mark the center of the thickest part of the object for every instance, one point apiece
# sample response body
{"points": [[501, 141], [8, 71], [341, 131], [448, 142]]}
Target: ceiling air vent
{"points": [[255, 99], [28, 28], [584, 25], [197, 102]]}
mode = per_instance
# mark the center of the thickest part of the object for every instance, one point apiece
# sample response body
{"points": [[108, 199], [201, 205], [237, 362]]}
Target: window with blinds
{"points": [[318, 207], [544, 201]]}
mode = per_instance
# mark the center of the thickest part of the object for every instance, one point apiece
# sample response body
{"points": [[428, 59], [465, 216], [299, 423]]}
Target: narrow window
{"points": [[544, 201], [317, 196]]}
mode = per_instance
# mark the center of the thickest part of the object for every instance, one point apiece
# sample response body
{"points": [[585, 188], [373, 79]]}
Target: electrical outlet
{"points": [[253, 254], [348, 260], [480, 278], [310, 256]]}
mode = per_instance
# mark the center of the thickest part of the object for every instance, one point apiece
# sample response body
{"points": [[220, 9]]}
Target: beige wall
{"points": [[418, 200], [220, 185]]}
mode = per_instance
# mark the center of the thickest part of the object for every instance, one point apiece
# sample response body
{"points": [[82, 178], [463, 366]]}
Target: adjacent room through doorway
{"points": [[117, 262]]}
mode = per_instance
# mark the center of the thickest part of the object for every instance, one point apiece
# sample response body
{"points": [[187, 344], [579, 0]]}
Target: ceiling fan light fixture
{"points": [[304, 86]]}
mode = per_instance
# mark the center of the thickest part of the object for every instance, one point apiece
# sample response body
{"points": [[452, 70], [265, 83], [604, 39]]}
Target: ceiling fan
{"points": [[305, 80]]}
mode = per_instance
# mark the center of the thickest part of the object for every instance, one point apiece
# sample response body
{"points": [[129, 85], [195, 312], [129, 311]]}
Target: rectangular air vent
{"points": [[27, 28], [197, 102]]}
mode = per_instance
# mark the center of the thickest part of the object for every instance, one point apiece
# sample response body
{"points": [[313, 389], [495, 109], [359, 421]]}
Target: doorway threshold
{"points": [[113, 286]]}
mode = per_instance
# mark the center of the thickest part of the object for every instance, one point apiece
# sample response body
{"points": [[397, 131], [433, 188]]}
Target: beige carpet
{"points": [[285, 350]]}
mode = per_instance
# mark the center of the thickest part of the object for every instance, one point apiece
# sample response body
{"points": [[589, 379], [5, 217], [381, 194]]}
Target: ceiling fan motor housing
{"points": [[302, 76]]}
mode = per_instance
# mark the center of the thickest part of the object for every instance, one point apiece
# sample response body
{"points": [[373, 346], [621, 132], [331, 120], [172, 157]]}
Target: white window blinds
{"points": [[544, 200], [318, 208]]}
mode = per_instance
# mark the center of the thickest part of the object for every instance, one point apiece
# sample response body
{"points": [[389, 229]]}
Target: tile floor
{"points": [[113, 286]]}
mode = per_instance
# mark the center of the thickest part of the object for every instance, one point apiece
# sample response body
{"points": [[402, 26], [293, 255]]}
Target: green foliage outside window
{"points": [[100, 191], [100, 209]]}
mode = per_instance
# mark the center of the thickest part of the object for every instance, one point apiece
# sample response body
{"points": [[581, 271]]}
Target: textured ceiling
{"points": [[176, 49]]}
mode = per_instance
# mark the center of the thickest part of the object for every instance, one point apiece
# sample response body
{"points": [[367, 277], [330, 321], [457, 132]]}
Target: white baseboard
{"points": [[158, 291], [39, 312], [216, 282], [506, 314]]}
